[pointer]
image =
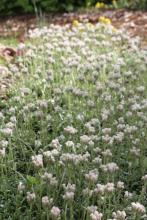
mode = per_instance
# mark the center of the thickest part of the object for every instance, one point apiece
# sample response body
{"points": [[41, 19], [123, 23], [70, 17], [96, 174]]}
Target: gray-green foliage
{"points": [[73, 129]]}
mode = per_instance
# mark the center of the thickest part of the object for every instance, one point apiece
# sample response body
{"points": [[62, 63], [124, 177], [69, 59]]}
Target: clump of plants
{"points": [[133, 4], [73, 130]]}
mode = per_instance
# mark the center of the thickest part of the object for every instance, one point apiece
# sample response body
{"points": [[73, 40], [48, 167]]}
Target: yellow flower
{"points": [[104, 20], [114, 3], [90, 25], [75, 23], [100, 5]]}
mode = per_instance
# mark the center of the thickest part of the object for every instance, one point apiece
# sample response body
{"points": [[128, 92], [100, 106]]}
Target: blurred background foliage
{"points": [[12, 7]]}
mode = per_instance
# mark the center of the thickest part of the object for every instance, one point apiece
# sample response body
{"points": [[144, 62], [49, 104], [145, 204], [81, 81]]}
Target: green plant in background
{"points": [[139, 4], [15, 6], [29, 6], [131, 4], [120, 4]]}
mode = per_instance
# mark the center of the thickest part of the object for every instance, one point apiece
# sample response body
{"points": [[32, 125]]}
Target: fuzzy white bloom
{"points": [[128, 195], [85, 139], [2, 152], [106, 130], [69, 191], [119, 136], [119, 215], [48, 177], [107, 153], [55, 212], [30, 197], [3, 143], [92, 176], [110, 167], [138, 207], [13, 119], [70, 130], [91, 209], [105, 114], [42, 103], [25, 91], [109, 188], [135, 151], [45, 201], [69, 187], [120, 185], [50, 155], [69, 144], [140, 89], [99, 86], [87, 192], [100, 189], [97, 160], [96, 215], [10, 125], [68, 196], [37, 160], [21, 187], [7, 131]]}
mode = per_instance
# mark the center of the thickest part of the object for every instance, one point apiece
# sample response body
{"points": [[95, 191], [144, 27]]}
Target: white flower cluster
{"points": [[73, 135]]}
